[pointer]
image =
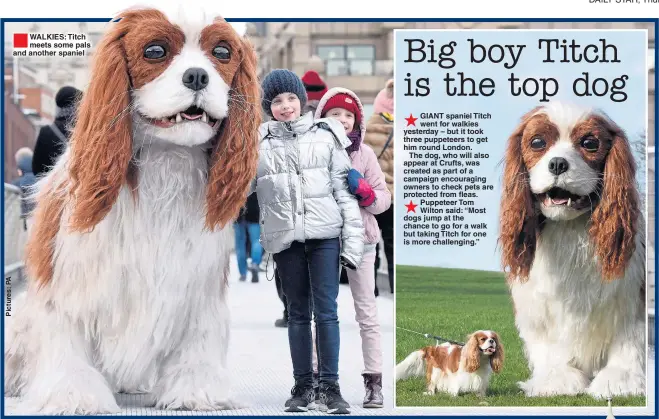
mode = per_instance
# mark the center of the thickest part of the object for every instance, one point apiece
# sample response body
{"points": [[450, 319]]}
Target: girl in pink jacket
{"points": [[367, 183]]}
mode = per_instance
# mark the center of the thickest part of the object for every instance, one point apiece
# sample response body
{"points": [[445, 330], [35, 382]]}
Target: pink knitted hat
{"points": [[384, 101]]}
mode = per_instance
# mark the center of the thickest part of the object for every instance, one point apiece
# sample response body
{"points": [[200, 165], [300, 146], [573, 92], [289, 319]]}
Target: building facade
{"points": [[32, 82], [357, 56], [21, 116], [56, 72]]}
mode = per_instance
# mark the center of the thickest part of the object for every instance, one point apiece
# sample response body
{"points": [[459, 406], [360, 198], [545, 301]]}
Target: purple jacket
{"points": [[365, 161]]}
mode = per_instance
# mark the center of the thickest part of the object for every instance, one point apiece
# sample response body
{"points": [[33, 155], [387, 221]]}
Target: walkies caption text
{"points": [[54, 45]]}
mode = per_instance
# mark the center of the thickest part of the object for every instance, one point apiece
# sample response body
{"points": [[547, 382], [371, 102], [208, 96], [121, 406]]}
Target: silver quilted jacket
{"points": [[302, 187]]}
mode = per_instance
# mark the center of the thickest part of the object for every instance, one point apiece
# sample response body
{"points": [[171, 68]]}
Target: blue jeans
{"points": [[241, 229], [310, 280]]}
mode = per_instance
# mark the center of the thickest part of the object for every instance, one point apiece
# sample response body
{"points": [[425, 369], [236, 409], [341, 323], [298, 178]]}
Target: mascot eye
{"points": [[155, 52], [222, 53], [538, 143], [590, 143]]}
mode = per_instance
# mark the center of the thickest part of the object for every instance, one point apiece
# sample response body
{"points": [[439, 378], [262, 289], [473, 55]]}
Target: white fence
{"points": [[15, 234]]}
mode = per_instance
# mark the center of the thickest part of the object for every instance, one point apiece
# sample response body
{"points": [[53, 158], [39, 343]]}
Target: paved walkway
{"points": [[264, 387], [254, 308]]}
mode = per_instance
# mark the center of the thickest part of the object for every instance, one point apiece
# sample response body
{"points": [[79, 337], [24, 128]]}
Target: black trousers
{"points": [[280, 293], [386, 224]]}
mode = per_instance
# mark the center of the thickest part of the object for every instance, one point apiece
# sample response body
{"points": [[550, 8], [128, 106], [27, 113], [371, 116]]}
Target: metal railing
{"points": [[15, 234]]}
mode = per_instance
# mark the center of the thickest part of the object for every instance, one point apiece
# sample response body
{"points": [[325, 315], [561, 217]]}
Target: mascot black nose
{"points": [[195, 78]]}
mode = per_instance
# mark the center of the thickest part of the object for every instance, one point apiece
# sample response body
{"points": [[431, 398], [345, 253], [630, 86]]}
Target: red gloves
{"points": [[360, 188]]}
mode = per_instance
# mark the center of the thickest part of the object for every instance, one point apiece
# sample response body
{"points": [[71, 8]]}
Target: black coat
{"points": [[250, 212], [48, 148]]}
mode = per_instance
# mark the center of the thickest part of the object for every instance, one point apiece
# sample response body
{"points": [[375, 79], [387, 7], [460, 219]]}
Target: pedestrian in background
{"points": [[380, 137], [25, 180], [247, 227], [315, 87], [53, 139]]}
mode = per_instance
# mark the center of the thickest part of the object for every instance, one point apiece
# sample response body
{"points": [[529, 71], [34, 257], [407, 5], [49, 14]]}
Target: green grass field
{"points": [[452, 303]]}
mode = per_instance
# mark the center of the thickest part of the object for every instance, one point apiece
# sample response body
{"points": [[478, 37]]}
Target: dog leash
{"points": [[267, 263], [429, 336]]}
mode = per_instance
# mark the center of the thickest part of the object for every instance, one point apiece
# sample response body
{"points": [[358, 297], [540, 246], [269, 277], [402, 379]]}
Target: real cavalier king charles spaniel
{"points": [[128, 255], [573, 246], [455, 369]]}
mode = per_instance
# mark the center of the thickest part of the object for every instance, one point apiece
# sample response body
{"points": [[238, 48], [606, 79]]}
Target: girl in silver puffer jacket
{"points": [[310, 222]]}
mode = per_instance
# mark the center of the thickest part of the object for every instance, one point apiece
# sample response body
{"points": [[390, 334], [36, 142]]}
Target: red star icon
{"points": [[411, 207], [411, 120]]}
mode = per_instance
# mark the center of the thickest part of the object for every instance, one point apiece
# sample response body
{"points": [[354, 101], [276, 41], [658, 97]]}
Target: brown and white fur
{"points": [[128, 255], [573, 243], [455, 369]]}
